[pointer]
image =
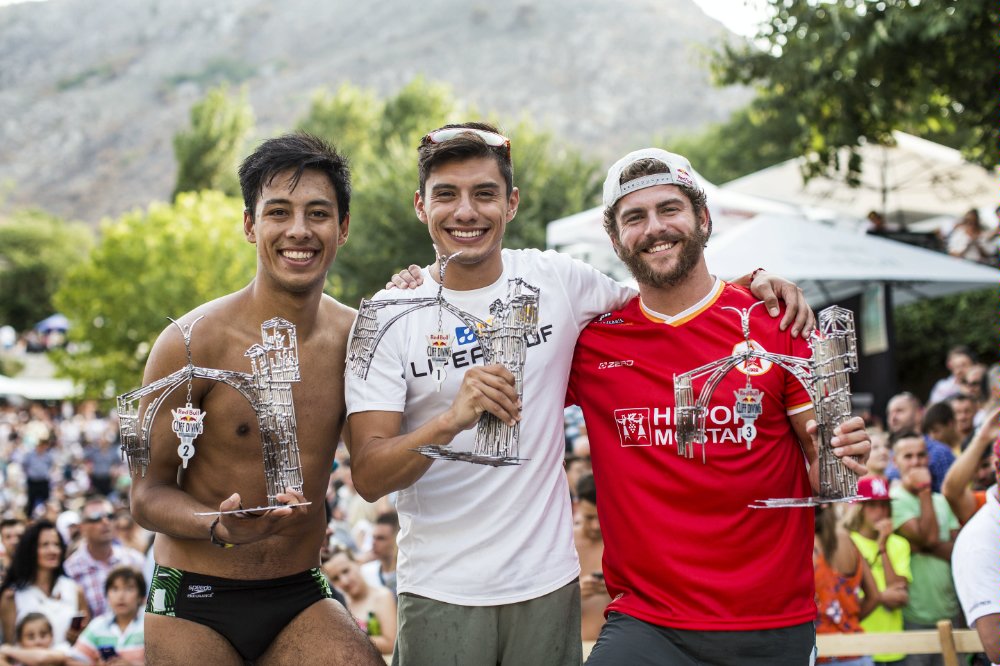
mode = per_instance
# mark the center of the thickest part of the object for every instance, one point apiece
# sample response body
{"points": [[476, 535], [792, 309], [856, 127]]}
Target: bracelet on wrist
{"points": [[216, 541]]}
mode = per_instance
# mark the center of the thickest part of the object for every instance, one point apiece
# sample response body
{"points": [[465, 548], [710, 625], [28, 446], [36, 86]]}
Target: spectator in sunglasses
{"points": [[99, 553]]}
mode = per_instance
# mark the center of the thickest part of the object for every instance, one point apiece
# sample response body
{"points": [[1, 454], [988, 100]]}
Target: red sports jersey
{"points": [[681, 547]]}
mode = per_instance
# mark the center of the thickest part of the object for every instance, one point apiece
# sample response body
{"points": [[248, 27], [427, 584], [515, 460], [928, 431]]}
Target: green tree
{"points": [[852, 71], [208, 152], [149, 265], [752, 139], [36, 251], [381, 139], [926, 329]]}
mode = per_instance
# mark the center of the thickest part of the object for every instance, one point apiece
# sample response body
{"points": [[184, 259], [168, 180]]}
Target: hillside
{"points": [[92, 91]]}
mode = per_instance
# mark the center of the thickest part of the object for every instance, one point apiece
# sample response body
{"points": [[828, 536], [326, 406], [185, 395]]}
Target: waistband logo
{"points": [[200, 592]]}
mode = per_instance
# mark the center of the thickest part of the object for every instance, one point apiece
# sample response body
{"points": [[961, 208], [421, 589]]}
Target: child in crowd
{"points": [[34, 644], [116, 638]]}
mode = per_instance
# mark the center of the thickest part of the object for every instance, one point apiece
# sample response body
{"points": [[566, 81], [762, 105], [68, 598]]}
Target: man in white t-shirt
{"points": [[974, 568], [487, 569]]}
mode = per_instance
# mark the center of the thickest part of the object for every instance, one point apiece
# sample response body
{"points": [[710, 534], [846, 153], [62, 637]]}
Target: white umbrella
{"points": [[830, 264], [912, 180]]}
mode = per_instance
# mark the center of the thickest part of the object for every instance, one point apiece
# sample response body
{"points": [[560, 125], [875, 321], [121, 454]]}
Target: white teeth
{"points": [[661, 247], [467, 234], [298, 254]]}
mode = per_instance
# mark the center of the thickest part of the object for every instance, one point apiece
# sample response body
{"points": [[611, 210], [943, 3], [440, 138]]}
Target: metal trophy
{"points": [[268, 389], [824, 376], [502, 339]]}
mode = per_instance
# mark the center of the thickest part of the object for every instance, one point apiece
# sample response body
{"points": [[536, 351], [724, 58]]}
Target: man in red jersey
{"points": [[695, 576]]}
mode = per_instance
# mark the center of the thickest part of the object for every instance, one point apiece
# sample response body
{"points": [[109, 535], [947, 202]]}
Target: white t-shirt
{"points": [[472, 534], [59, 607], [975, 562]]}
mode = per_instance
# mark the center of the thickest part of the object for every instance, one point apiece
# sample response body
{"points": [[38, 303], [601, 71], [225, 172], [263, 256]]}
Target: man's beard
{"points": [[691, 251]]}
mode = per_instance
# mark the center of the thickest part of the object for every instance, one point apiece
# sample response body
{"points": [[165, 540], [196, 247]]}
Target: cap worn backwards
{"points": [[679, 172]]}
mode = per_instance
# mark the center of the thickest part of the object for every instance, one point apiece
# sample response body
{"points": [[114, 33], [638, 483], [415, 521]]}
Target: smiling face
{"points": [[296, 231], [466, 208], [660, 237], [49, 549]]}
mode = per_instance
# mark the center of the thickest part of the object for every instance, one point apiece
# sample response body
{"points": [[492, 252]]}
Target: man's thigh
{"points": [[626, 640], [171, 640], [543, 631], [433, 633], [321, 635]]}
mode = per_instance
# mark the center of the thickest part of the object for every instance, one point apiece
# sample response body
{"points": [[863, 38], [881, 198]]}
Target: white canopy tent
{"points": [[830, 264], [912, 180], [35, 388]]}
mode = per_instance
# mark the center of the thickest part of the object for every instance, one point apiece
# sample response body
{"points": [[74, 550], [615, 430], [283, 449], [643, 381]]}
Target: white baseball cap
{"points": [[679, 172]]}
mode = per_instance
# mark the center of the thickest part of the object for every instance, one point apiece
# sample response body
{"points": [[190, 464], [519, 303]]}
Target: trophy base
{"points": [[256, 509], [445, 453], [801, 501]]}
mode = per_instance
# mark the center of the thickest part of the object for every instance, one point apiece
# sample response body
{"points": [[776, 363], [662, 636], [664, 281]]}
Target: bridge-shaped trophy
{"points": [[825, 378], [268, 388], [503, 340]]}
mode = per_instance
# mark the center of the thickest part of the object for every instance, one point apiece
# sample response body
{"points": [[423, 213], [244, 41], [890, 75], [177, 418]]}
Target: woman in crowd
{"points": [[373, 608], [841, 574], [878, 459], [36, 582]]}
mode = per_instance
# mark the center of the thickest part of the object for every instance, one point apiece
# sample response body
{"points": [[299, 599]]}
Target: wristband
{"points": [[216, 541], [753, 276]]}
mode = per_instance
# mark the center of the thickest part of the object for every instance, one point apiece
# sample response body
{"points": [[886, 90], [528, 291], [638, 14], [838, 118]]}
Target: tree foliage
{"points": [[208, 152], [149, 265], [752, 139], [852, 71], [36, 251], [381, 137], [926, 329]]}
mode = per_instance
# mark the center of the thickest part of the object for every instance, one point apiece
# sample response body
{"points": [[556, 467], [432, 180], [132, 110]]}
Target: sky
{"points": [[740, 16]]}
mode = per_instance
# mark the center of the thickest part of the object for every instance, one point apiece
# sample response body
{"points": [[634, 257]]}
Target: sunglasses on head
{"points": [[490, 138], [97, 516]]}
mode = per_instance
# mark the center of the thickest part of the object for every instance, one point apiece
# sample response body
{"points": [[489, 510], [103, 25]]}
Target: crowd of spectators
{"points": [[932, 476]]}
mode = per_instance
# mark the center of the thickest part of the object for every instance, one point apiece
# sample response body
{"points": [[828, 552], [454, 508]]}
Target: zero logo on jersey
{"points": [[755, 366], [633, 426]]}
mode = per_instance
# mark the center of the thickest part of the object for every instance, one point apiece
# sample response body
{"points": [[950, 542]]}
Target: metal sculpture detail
{"points": [[503, 340], [268, 388], [824, 376]]}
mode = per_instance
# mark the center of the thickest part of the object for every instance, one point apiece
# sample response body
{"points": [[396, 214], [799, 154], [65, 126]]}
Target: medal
{"points": [[749, 405], [188, 425]]}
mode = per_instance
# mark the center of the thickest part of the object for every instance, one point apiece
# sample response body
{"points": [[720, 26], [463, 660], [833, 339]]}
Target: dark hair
{"points": [[390, 518], [298, 151], [938, 414], [648, 166], [586, 489], [30, 617], [126, 574], [962, 350], [906, 434], [463, 147], [24, 565], [10, 522]]}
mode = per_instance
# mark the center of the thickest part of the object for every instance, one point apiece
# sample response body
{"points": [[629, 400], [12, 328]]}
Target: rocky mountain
{"points": [[92, 91]]}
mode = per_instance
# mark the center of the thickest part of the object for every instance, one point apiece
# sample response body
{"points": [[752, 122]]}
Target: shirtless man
{"points": [[203, 603], [590, 549]]}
